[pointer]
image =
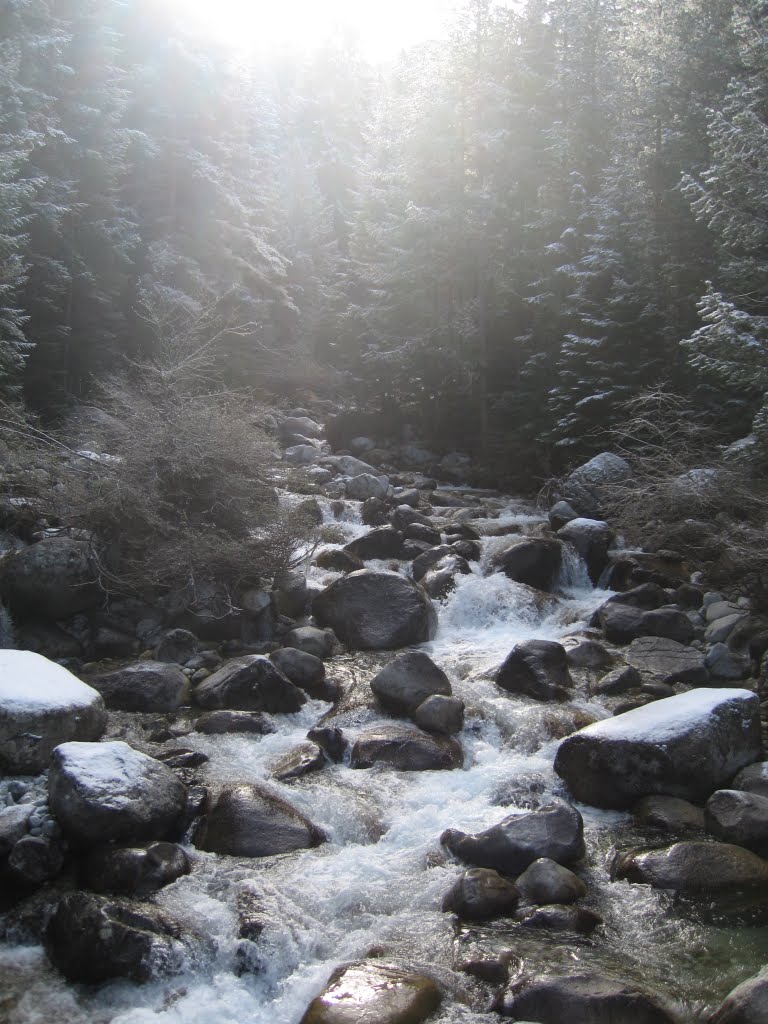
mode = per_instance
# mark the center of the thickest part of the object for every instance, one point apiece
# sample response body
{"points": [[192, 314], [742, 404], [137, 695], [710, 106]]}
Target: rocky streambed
{"points": [[473, 762]]}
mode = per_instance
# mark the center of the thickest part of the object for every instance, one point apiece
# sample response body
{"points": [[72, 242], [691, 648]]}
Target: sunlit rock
{"points": [[374, 992]]}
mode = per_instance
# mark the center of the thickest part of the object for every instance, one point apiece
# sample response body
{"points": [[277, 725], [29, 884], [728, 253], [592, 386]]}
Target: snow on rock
{"points": [[685, 746], [100, 792], [41, 706], [585, 487]]}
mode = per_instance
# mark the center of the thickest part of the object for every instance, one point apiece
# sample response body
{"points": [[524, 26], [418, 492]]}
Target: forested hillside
{"points": [[504, 235]]}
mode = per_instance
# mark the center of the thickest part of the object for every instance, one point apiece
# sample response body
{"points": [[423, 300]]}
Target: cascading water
{"points": [[377, 884]]}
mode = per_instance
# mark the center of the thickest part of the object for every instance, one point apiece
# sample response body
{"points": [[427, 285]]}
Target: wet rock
{"points": [[546, 881], [670, 623], [559, 918], [440, 581], [694, 867], [537, 669], [738, 817], [134, 870], [332, 741], [374, 512], [250, 683], [591, 538], [684, 746], [646, 596], [100, 792], [339, 560], [657, 690], [150, 686], [471, 550], [302, 760], [620, 623], [53, 579], [303, 670], [753, 779], [584, 653], [318, 642], [406, 749], [534, 561], [586, 487], [418, 531], [619, 680], [480, 894], [41, 706], [669, 813], [221, 723], [377, 610], [375, 992], [444, 715], [555, 831], [35, 859], [405, 515], [381, 542], [746, 1004], [247, 820], [182, 757], [424, 562], [92, 939], [407, 681], [177, 646], [585, 999], [560, 514], [667, 661]]}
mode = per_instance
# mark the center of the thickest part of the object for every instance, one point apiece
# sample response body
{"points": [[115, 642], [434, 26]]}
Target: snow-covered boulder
{"points": [[41, 706], [586, 486], [53, 579], [99, 792], [686, 746]]}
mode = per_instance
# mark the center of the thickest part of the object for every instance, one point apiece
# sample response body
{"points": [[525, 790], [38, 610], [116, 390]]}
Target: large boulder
{"points": [[53, 579], [383, 542], [537, 669], [304, 670], [738, 817], [250, 683], [374, 992], [41, 706], [365, 486], [409, 680], [247, 820], [376, 610], [685, 746], [406, 749], [585, 999], [587, 486], [103, 792], [480, 894], [667, 661], [747, 1004], [694, 867], [93, 939], [555, 831], [545, 881], [134, 870], [146, 686], [534, 561]]}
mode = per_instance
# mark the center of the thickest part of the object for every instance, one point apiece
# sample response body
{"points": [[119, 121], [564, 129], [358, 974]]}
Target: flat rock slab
{"points": [[247, 820], [250, 683], [152, 686], [371, 610], [694, 867], [667, 660], [585, 999], [374, 993], [100, 792], [686, 746], [407, 749], [41, 706]]}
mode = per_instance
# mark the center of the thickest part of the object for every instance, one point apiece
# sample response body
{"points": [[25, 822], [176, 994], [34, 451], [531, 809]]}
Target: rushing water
{"points": [[377, 884]]}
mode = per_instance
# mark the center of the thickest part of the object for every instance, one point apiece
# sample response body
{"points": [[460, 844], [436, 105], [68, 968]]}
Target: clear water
{"points": [[379, 880]]}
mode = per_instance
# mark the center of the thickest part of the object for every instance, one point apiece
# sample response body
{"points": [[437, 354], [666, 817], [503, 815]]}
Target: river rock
{"points": [[669, 813], [738, 817], [146, 686], [557, 917], [247, 820], [424, 562], [587, 486], [249, 683], [300, 425], [382, 542], [177, 646], [367, 485], [534, 561], [480, 894], [560, 514], [35, 860], [584, 999], [302, 454], [339, 560], [303, 670], [622, 623], [222, 723], [376, 610], [41, 706], [591, 538], [723, 663], [53, 579], [99, 792], [302, 760], [406, 749], [753, 779], [694, 867], [546, 881], [374, 992], [684, 746], [407, 681], [318, 642], [444, 715], [134, 870], [14, 825], [746, 1004], [555, 831], [418, 531], [585, 653], [667, 660], [92, 939], [348, 465], [618, 680], [537, 669]]}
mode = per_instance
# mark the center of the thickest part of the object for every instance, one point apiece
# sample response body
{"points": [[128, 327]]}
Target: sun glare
{"points": [[381, 30]]}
